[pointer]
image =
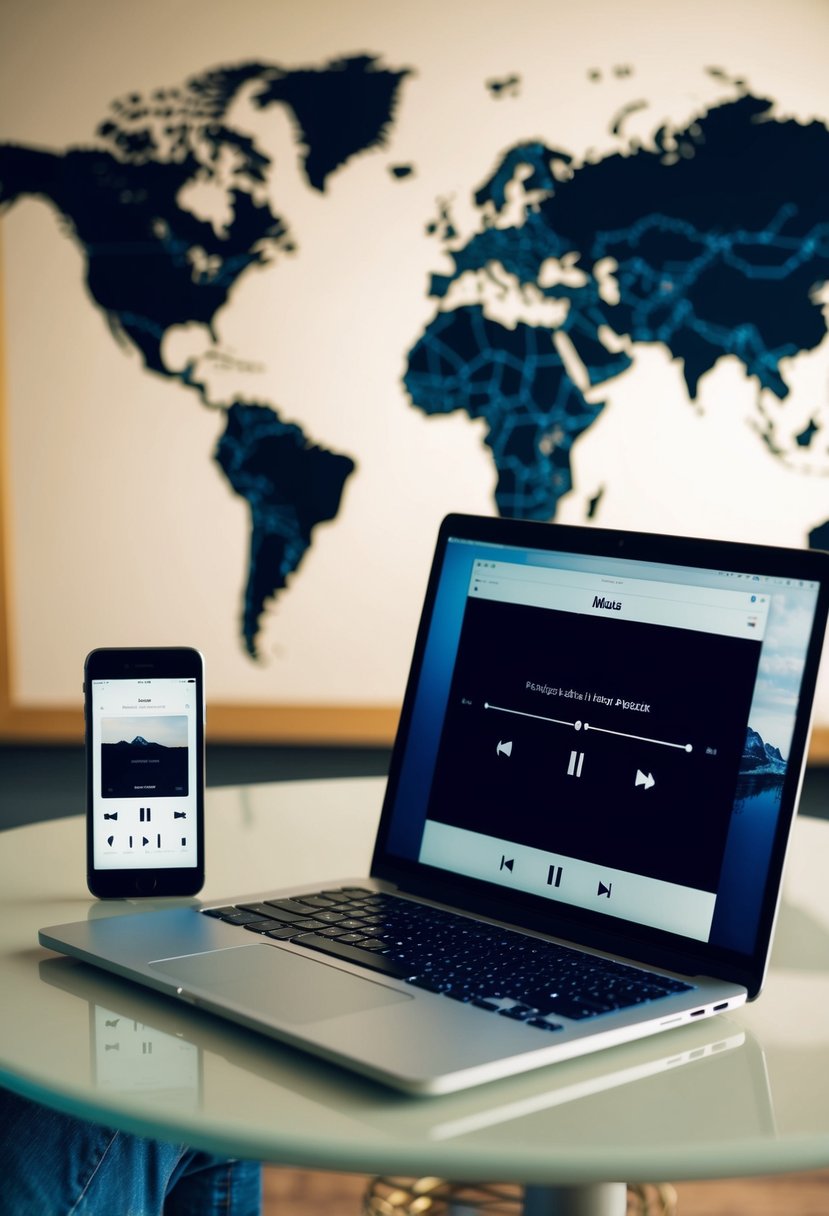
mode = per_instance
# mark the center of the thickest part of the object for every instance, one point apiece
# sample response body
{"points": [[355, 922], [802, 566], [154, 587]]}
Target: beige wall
{"points": [[95, 449]]}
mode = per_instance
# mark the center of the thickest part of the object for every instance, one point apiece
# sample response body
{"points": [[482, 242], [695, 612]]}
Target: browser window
{"points": [[592, 741]]}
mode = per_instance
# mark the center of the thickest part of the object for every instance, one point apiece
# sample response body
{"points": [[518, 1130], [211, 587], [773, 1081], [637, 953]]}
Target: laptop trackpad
{"points": [[274, 982]]}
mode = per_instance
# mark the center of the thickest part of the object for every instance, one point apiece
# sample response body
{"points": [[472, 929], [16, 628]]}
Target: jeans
{"points": [[53, 1164]]}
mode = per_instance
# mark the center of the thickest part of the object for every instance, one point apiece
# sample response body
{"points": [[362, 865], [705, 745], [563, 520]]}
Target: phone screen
{"points": [[144, 772]]}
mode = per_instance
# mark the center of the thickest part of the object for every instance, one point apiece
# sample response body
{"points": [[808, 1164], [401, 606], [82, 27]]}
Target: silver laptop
{"points": [[598, 762]]}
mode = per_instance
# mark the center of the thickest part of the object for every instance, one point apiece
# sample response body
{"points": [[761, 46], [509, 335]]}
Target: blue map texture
{"points": [[717, 234]]}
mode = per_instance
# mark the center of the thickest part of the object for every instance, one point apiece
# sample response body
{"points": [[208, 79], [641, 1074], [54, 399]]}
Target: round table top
{"points": [[739, 1094]]}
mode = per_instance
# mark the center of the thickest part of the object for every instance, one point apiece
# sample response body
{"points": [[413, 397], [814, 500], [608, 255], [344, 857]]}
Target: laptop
{"points": [[598, 762]]}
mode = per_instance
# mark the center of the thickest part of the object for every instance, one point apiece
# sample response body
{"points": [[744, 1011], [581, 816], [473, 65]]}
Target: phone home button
{"points": [[145, 884]]}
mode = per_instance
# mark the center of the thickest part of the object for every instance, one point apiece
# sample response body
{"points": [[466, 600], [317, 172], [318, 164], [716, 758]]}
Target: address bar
{"points": [[681, 593], [713, 613]]}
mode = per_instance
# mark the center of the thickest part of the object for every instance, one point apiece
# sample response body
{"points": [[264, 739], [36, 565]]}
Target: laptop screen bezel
{"points": [[596, 930]]}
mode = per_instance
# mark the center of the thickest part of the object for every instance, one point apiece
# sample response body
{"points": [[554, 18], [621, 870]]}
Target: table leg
{"points": [[388, 1196], [598, 1199]]}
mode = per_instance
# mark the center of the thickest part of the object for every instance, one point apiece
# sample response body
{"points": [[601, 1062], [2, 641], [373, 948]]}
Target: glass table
{"points": [[736, 1095]]}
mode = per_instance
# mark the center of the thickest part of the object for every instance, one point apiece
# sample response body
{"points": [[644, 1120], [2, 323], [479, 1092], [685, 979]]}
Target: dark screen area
{"points": [[568, 733]]}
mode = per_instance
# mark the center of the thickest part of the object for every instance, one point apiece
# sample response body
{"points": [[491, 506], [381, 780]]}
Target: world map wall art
{"points": [[282, 286]]}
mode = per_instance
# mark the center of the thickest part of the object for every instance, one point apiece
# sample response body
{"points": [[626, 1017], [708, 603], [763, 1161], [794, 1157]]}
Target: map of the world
{"points": [[557, 272]]}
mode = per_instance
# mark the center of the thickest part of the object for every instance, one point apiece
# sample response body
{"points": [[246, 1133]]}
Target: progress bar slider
{"points": [[586, 726]]}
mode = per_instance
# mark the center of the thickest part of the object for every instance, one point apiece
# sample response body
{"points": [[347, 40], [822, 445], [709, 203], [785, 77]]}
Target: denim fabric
{"points": [[53, 1164]]}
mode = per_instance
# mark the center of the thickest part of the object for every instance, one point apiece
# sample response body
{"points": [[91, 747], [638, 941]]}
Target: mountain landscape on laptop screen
{"points": [[763, 766]]}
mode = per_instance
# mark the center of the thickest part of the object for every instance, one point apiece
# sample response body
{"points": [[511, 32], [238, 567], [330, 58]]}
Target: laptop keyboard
{"points": [[508, 973]]}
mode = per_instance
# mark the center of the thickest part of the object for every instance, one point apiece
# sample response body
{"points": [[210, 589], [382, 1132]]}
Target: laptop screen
{"points": [[608, 731]]}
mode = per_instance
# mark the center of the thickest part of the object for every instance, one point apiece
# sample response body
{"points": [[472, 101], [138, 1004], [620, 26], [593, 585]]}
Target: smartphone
{"points": [[144, 717]]}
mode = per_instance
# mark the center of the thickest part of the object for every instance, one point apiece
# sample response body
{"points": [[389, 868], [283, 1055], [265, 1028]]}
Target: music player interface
{"points": [[592, 740], [144, 773]]}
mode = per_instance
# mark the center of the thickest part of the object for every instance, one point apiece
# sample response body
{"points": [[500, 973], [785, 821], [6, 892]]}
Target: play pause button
{"points": [[554, 876], [575, 764]]}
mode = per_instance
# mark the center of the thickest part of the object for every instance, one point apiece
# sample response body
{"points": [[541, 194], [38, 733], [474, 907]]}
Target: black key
{"points": [[259, 909], [220, 913], [427, 982], [353, 954], [241, 918], [576, 1008], [287, 918], [281, 935], [288, 905], [519, 1012], [262, 926]]}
